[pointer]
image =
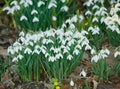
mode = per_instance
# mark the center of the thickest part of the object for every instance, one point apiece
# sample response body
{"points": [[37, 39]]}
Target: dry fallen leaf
{"points": [[95, 84], [3, 53]]}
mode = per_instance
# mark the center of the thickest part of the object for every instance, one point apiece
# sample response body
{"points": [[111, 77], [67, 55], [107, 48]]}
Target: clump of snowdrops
{"points": [[112, 22], [103, 19], [95, 15], [100, 66], [39, 15], [55, 51]]}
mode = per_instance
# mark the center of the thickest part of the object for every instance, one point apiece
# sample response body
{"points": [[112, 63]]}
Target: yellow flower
{"points": [[58, 87], [55, 83]]}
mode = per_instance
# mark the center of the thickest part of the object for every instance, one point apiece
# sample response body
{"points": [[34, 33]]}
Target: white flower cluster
{"points": [[52, 44], [113, 21], [98, 13], [33, 12], [102, 54], [16, 5], [117, 53]]}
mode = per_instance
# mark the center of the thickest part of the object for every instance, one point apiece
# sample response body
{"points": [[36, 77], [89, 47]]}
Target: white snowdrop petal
{"points": [[117, 53], [23, 17], [14, 2], [63, 1], [64, 8], [52, 4], [83, 73], [71, 83], [15, 59], [40, 3], [35, 19], [34, 12], [69, 57], [54, 18]]}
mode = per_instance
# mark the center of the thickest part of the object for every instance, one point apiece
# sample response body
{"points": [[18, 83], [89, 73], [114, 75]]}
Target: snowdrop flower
{"points": [[28, 50], [20, 57], [72, 26], [63, 25], [16, 8], [43, 49], [31, 43], [115, 18], [112, 1], [95, 58], [49, 41], [107, 51], [95, 19], [40, 3], [64, 8], [88, 3], [16, 44], [35, 19], [103, 11], [10, 10], [23, 17], [71, 42], [65, 50], [93, 51], [36, 51], [22, 34], [117, 53], [34, 12], [6, 8], [88, 13], [57, 50], [22, 39], [112, 11], [103, 53], [83, 32], [102, 19], [58, 56], [95, 7], [51, 59], [15, 59], [117, 7], [47, 55], [100, 55], [14, 2], [72, 83], [81, 17], [26, 3], [87, 47], [52, 4], [11, 50], [100, 1], [63, 1], [54, 18], [83, 73], [94, 30], [37, 47], [74, 19], [78, 47], [69, 57], [76, 52]]}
